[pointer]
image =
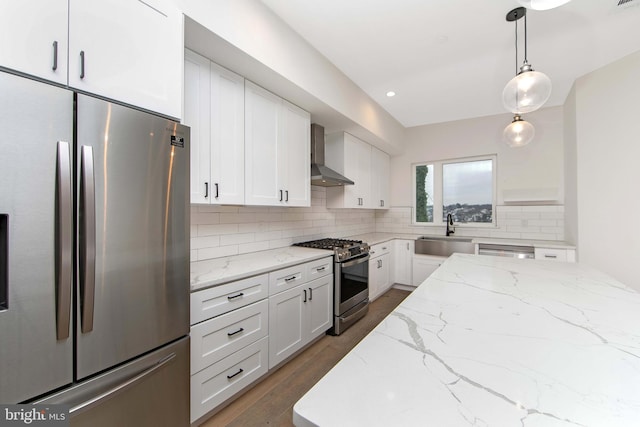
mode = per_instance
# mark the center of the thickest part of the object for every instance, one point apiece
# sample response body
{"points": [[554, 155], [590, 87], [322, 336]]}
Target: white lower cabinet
{"points": [[380, 269], [221, 336], [402, 261], [297, 316], [423, 266], [241, 329], [218, 382], [554, 254]]}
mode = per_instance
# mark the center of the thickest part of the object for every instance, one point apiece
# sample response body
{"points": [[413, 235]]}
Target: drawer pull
{"points": [[288, 279], [551, 256], [230, 334], [232, 297], [321, 269], [236, 374]]}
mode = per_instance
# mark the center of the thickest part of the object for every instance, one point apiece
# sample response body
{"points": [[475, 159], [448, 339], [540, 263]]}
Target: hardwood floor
{"points": [[271, 401]]}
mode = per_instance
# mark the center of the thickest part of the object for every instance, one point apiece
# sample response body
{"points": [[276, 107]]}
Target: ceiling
{"points": [[450, 59]]}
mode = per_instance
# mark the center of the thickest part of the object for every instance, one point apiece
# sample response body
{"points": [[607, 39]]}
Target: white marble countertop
{"points": [[213, 272], [490, 341], [375, 238]]}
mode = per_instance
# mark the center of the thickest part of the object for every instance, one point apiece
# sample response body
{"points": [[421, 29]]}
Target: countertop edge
{"points": [[263, 262]]}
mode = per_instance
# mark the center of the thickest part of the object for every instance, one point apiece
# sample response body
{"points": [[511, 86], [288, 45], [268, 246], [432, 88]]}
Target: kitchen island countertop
{"points": [[494, 342]]}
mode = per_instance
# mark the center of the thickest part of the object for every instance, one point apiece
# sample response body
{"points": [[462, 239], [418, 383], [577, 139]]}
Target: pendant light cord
{"points": [[516, 22], [525, 39]]}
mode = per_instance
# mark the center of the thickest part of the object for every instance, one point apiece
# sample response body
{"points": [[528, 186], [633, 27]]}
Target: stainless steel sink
{"points": [[443, 246]]}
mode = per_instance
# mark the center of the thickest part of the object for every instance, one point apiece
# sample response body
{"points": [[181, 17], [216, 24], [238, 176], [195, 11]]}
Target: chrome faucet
{"points": [[450, 228]]}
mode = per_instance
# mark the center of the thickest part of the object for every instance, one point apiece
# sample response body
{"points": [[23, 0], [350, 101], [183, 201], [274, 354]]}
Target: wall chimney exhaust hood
{"points": [[320, 174]]}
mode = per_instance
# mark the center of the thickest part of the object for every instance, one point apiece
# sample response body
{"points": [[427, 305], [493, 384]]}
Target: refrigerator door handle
{"points": [[88, 404], [87, 237], [64, 240]]}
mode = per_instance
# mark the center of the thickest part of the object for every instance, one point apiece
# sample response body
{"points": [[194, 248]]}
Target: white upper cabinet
{"points": [[295, 155], [277, 150], [126, 50], [261, 146], [129, 51], [365, 165], [214, 109], [380, 177], [33, 38]]}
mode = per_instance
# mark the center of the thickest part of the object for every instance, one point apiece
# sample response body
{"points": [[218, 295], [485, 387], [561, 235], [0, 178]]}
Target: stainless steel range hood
{"points": [[320, 174]]}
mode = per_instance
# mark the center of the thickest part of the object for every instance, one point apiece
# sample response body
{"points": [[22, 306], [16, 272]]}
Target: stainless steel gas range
{"points": [[351, 279]]}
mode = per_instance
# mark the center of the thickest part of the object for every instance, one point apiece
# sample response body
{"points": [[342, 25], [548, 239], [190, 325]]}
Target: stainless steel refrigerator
{"points": [[94, 257]]}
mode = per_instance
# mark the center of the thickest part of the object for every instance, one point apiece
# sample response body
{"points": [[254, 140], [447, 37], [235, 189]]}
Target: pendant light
{"points": [[518, 133], [529, 89], [543, 4]]}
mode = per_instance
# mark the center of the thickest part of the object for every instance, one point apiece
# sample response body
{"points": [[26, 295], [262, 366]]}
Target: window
{"points": [[464, 188]]}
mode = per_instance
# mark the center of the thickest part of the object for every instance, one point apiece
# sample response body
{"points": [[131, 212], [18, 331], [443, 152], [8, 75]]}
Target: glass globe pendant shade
{"points": [[543, 4], [527, 91], [518, 133]]}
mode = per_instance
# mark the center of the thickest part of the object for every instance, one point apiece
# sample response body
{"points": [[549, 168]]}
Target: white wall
{"points": [[608, 174], [538, 165], [571, 169], [253, 29]]}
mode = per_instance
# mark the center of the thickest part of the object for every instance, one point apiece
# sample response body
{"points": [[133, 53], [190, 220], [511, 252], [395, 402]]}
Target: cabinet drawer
{"points": [[215, 384], [221, 299], [287, 278], [380, 249], [219, 337], [551, 254], [319, 268]]}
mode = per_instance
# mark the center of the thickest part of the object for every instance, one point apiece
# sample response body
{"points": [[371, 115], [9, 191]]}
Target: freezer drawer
{"points": [[152, 391]]}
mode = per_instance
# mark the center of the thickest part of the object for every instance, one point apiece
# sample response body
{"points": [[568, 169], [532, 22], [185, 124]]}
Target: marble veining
{"points": [[217, 271], [487, 341]]}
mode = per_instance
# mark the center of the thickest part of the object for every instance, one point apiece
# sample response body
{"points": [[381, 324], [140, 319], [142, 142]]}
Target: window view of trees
{"points": [[424, 193]]}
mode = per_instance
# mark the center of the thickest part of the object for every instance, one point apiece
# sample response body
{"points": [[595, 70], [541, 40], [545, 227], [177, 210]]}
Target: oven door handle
{"points": [[356, 261]]}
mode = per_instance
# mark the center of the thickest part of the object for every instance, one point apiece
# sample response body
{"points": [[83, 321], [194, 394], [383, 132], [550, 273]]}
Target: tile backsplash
{"points": [[218, 231], [512, 222]]}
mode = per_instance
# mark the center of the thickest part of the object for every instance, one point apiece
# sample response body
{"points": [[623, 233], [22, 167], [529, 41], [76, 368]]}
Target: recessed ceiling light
{"points": [[391, 93]]}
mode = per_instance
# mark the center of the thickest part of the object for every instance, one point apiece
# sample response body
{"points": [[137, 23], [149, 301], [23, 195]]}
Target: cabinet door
{"points": [[261, 146], [353, 167], [379, 279], [374, 280], [379, 179], [287, 324], [196, 113], [227, 136], [319, 306], [403, 254], [33, 38], [384, 273], [295, 155], [130, 51]]}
